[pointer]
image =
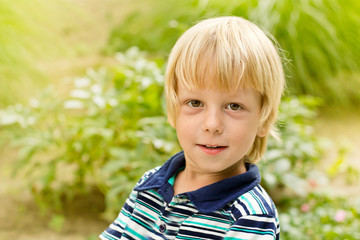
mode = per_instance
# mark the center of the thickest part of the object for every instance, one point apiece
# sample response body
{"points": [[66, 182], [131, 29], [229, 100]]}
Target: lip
{"points": [[211, 151]]}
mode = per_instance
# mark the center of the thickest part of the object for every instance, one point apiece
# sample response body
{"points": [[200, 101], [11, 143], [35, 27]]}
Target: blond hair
{"points": [[239, 55]]}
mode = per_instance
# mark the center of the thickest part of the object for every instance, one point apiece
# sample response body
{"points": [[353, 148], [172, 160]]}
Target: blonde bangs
{"points": [[212, 60]]}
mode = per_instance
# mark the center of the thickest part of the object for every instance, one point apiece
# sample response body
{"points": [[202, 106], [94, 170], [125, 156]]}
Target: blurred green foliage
{"points": [[320, 217], [98, 135], [30, 34], [15, 51], [111, 128], [290, 163], [319, 38]]}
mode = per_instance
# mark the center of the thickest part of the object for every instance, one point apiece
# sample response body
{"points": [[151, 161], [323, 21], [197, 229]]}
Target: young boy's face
{"points": [[216, 128]]}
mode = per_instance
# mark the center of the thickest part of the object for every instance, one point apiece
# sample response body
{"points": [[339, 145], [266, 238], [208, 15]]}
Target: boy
{"points": [[223, 86]]}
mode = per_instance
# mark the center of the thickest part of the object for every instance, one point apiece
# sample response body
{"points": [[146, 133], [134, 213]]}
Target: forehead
{"points": [[212, 92]]}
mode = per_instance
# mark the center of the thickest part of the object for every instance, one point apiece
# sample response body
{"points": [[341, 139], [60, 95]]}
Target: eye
{"points": [[194, 103], [234, 107]]}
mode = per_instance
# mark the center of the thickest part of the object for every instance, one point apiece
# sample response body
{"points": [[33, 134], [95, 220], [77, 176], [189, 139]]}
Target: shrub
{"points": [[111, 128], [317, 36], [98, 135], [319, 217]]}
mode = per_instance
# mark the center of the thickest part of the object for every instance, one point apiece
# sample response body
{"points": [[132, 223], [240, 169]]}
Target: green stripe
{"points": [[178, 215], [250, 205], [259, 202], [122, 223], [182, 237], [214, 219], [145, 213], [253, 231], [234, 238], [206, 225], [155, 193], [105, 234], [142, 224], [125, 213], [136, 234]]}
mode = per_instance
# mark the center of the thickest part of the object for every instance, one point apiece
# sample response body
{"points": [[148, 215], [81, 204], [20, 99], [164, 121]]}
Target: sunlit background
{"points": [[82, 110]]}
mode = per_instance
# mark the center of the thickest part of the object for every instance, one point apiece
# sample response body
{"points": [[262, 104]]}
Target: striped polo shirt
{"points": [[236, 208]]}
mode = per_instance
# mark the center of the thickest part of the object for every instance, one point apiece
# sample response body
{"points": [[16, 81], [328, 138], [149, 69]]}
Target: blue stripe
{"points": [[105, 234], [253, 231], [148, 207]]}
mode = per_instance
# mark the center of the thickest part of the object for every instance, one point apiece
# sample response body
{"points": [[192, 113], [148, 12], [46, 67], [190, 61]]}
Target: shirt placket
{"points": [[169, 221]]}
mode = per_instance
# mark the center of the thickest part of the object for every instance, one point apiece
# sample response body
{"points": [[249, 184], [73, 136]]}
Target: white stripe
{"points": [[261, 218]]}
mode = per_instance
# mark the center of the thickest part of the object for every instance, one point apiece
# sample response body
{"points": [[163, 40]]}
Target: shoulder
{"points": [[255, 216], [147, 174], [254, 202]]}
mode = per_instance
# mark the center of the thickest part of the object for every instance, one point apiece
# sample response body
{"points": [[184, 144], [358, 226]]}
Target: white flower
{"points": [[168, 147], [79, 93], [140, 64], [73, 104], [34, 103], [8, 119], [133, 52], [120, 57], [158, 143], [113, 102], [173, 23], [96, 88], [98, 100], [146, 81], [82, 82]]}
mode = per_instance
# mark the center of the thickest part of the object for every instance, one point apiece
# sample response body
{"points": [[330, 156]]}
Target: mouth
{"points": [[212, 149]]}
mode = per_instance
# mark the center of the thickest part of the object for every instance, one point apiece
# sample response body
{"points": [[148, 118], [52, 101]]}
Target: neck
{"points": [[189, 180]]}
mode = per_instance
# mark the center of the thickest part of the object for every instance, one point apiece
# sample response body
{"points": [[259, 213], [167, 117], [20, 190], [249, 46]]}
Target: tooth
{"points": [[212, 147]]}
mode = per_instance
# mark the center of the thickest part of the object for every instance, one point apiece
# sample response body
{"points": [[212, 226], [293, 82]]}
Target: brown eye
{"points": [[234, 107], [195, 103]]}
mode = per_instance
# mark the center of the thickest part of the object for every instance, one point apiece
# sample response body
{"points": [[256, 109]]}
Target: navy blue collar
{"points": [[209, 198]]}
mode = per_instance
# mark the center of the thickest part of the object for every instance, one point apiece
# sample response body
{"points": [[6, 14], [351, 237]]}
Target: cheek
{"points": [[183, 128], [184, 122], [244, 132]]}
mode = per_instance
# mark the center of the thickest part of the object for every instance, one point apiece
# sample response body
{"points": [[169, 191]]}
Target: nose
{"points": [[213, 122]]}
